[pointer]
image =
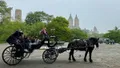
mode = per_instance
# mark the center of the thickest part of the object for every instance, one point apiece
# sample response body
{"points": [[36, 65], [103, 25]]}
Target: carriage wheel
{"points": [[49, 56], [8, 56]]}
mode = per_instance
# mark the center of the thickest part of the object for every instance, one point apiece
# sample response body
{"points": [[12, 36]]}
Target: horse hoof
{"points": [[91, 61], [74, 60], [85, 60]]}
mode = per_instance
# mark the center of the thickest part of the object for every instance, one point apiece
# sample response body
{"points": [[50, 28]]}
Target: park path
{"points": [[106, 56]]}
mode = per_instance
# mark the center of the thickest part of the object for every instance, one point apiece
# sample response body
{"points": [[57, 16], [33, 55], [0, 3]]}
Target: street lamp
{"points": [[53, 32]]}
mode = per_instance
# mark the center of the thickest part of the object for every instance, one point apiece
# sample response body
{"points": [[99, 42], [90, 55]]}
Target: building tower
{"points": [[95, 30], [18, 15], [70, 21], [7, 14], [76, 22]]}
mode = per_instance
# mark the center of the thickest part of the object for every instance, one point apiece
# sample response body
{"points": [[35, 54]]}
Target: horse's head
{"points": [[94, 41]]}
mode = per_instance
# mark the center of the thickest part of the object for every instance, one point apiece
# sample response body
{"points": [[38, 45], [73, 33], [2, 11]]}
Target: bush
{"points": [[59, 24], [30, 30], [78, 34], [113, 35]]}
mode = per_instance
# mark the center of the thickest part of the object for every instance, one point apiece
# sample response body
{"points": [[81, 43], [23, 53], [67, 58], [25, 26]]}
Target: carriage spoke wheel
{"points": [[49, 56], [9, 57]]}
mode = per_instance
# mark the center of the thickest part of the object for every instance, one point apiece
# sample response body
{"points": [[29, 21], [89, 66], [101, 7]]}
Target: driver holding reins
{"points": [[45, 35]]}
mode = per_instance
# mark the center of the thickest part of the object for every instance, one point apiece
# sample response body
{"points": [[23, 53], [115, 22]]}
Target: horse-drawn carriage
{"points": [[15, 53]]}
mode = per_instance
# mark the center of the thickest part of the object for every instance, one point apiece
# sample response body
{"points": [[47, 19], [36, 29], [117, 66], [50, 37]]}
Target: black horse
{"points": [[83, 45]]}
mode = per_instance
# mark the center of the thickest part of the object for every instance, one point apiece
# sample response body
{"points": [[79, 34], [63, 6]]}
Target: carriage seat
{"points": [[35, 45]]}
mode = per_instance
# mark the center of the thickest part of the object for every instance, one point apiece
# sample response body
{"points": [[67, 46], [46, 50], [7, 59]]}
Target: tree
{"points": [[29, 30], [4, 10], [78, 34], [61, 21], [30, 18], [63, 33], [60, 24], [33, 30], [116, 28], [113, 34], [38, 16]]}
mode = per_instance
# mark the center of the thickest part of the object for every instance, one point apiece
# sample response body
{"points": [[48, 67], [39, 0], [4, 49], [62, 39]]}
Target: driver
{"points": [[45, 35]]}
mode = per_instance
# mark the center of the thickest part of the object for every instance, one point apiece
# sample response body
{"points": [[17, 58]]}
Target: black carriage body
{"points": [[14, 38]]}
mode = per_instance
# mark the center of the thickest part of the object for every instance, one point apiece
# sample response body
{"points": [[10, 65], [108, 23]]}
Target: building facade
{"points": [[18, 15], [95, 30], [74, 24], [8, 15], [70, 20]]}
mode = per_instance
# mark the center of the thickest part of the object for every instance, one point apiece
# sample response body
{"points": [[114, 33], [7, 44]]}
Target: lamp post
{"points": [[53, 32]]}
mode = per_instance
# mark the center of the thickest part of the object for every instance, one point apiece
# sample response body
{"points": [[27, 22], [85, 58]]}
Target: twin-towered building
{"points": [[17, 17], [73, 23]]}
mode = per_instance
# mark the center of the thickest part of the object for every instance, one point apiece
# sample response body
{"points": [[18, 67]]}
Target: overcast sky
{"points": [[104, 14]]}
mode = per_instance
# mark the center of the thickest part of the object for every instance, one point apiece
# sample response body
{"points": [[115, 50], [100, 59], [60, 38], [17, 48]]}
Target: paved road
{"points": [[107, 56]]}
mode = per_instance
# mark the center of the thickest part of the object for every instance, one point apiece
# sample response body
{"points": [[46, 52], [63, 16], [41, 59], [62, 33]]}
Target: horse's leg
{"points": [[90, 53], [86, 52], [73, 58], [70, 55]]}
